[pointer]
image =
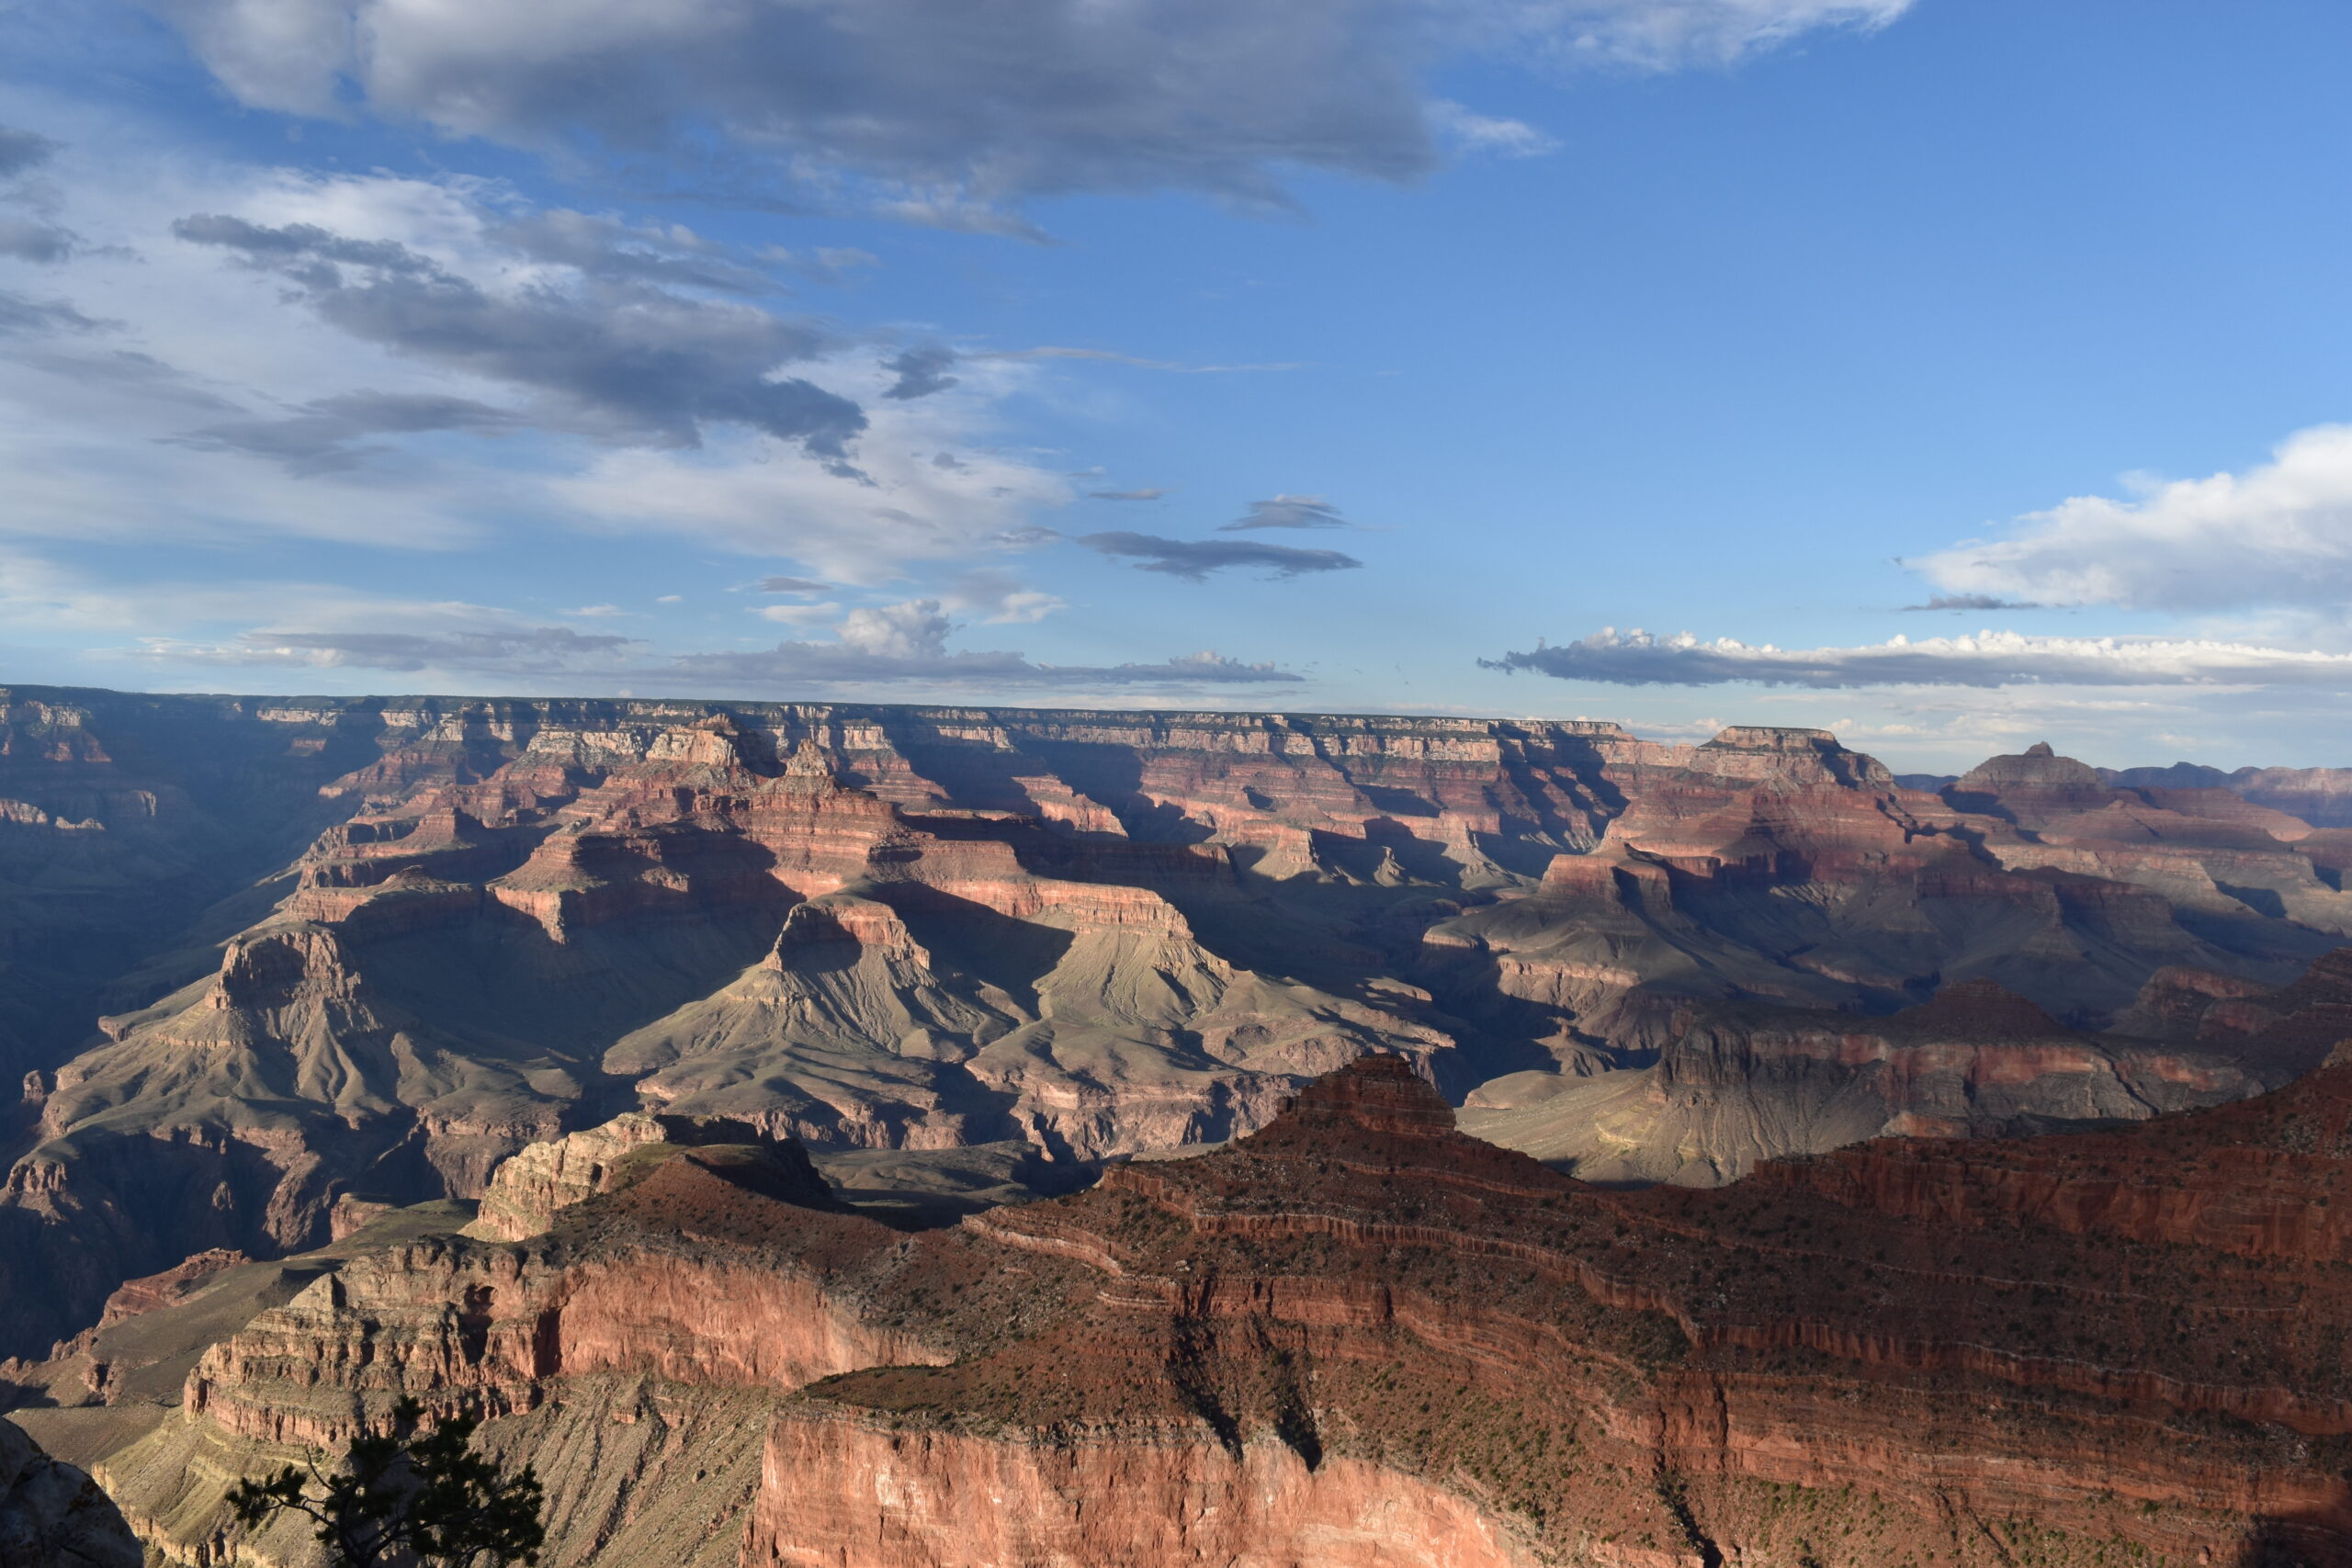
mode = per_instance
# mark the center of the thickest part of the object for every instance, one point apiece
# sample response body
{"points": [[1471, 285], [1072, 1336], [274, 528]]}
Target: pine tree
{"points": [[406, 1499]]}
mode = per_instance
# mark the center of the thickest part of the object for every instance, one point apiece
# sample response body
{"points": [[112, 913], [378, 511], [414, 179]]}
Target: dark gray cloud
{"points": [[1148, 493], [21, 150], [621, 361], [22, 316], [1973, 602], [521, 650], [947, 104], [948, 109], [793, 585], [1288, 511], [1998, 659], [329, 435], [920, 372], [35, 239], [1194, 559]]}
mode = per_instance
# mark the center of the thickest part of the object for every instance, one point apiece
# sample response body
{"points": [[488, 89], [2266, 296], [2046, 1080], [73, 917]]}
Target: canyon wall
{"points": [[270, 961], [1357, 1336]]}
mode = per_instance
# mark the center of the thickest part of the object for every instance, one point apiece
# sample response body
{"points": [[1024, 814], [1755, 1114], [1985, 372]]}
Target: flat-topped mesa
{"points": [[1794, 756], [836, 919], [2030, 788], [1371, 1094]]}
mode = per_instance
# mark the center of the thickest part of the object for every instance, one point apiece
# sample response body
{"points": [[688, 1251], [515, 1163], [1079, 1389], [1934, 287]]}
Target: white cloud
{"points": [[798, 615], [156, 388], [741, 493], [1662, 35], [1989, 659], [2278, 534]]}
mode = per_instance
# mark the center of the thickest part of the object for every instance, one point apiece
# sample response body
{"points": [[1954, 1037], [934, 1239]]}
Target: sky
{"points": [[1952, 373]]}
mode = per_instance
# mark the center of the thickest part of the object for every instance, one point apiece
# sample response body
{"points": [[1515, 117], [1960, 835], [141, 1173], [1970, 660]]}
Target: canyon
{"points": [[716, 1093]]}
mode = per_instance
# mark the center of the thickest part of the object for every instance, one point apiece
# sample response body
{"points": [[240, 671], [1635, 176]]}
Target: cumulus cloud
{"points": [[1000, 598], [2278, 534], [1989, 659], [948, 111], [1193, 559], [618, 360], [1288, 511]]}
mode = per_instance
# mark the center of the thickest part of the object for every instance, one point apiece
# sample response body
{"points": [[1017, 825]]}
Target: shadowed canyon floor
{"points": [[269, 967]]}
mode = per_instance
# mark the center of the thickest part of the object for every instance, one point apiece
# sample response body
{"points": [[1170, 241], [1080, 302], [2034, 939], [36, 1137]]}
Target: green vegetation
{"points": [[407, 1496]]}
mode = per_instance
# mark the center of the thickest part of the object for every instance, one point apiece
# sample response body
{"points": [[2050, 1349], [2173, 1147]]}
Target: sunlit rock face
{"points": [[274, 966], [1356, 1335]]}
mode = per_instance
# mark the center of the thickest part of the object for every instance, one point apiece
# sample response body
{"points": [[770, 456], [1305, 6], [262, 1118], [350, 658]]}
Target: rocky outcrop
{"points": [[1360, 1336], [1360, 1315], [1739, 1085], [53, 1516], [528, 1189]]}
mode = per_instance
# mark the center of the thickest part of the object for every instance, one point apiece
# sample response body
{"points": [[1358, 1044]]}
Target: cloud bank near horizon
{"points": [[1987, 660]]}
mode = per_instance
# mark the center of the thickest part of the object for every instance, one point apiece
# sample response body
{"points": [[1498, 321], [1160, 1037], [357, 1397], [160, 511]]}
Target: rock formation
{"points": [[895, 934], [1359, 1337], [1744, 1083], [55, 1516]]}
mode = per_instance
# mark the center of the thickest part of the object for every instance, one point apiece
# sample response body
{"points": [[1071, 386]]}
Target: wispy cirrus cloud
{"points": [[505, 651], [906, 644], [1990, 658], [1287, 512]]}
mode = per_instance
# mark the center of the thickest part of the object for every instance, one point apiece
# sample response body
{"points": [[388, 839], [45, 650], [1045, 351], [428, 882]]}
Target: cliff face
{"points": [[53, 1516], [1094, 934], [1357, 1315], [1358, 1336], [1738, 1085]]}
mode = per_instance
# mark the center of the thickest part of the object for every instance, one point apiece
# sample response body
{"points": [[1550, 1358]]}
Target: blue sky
{"points": [[1627, 358]]}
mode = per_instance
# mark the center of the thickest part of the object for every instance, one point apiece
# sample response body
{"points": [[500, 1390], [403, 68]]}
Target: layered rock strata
{"points": [[885, 930], [1358, 1336]]}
